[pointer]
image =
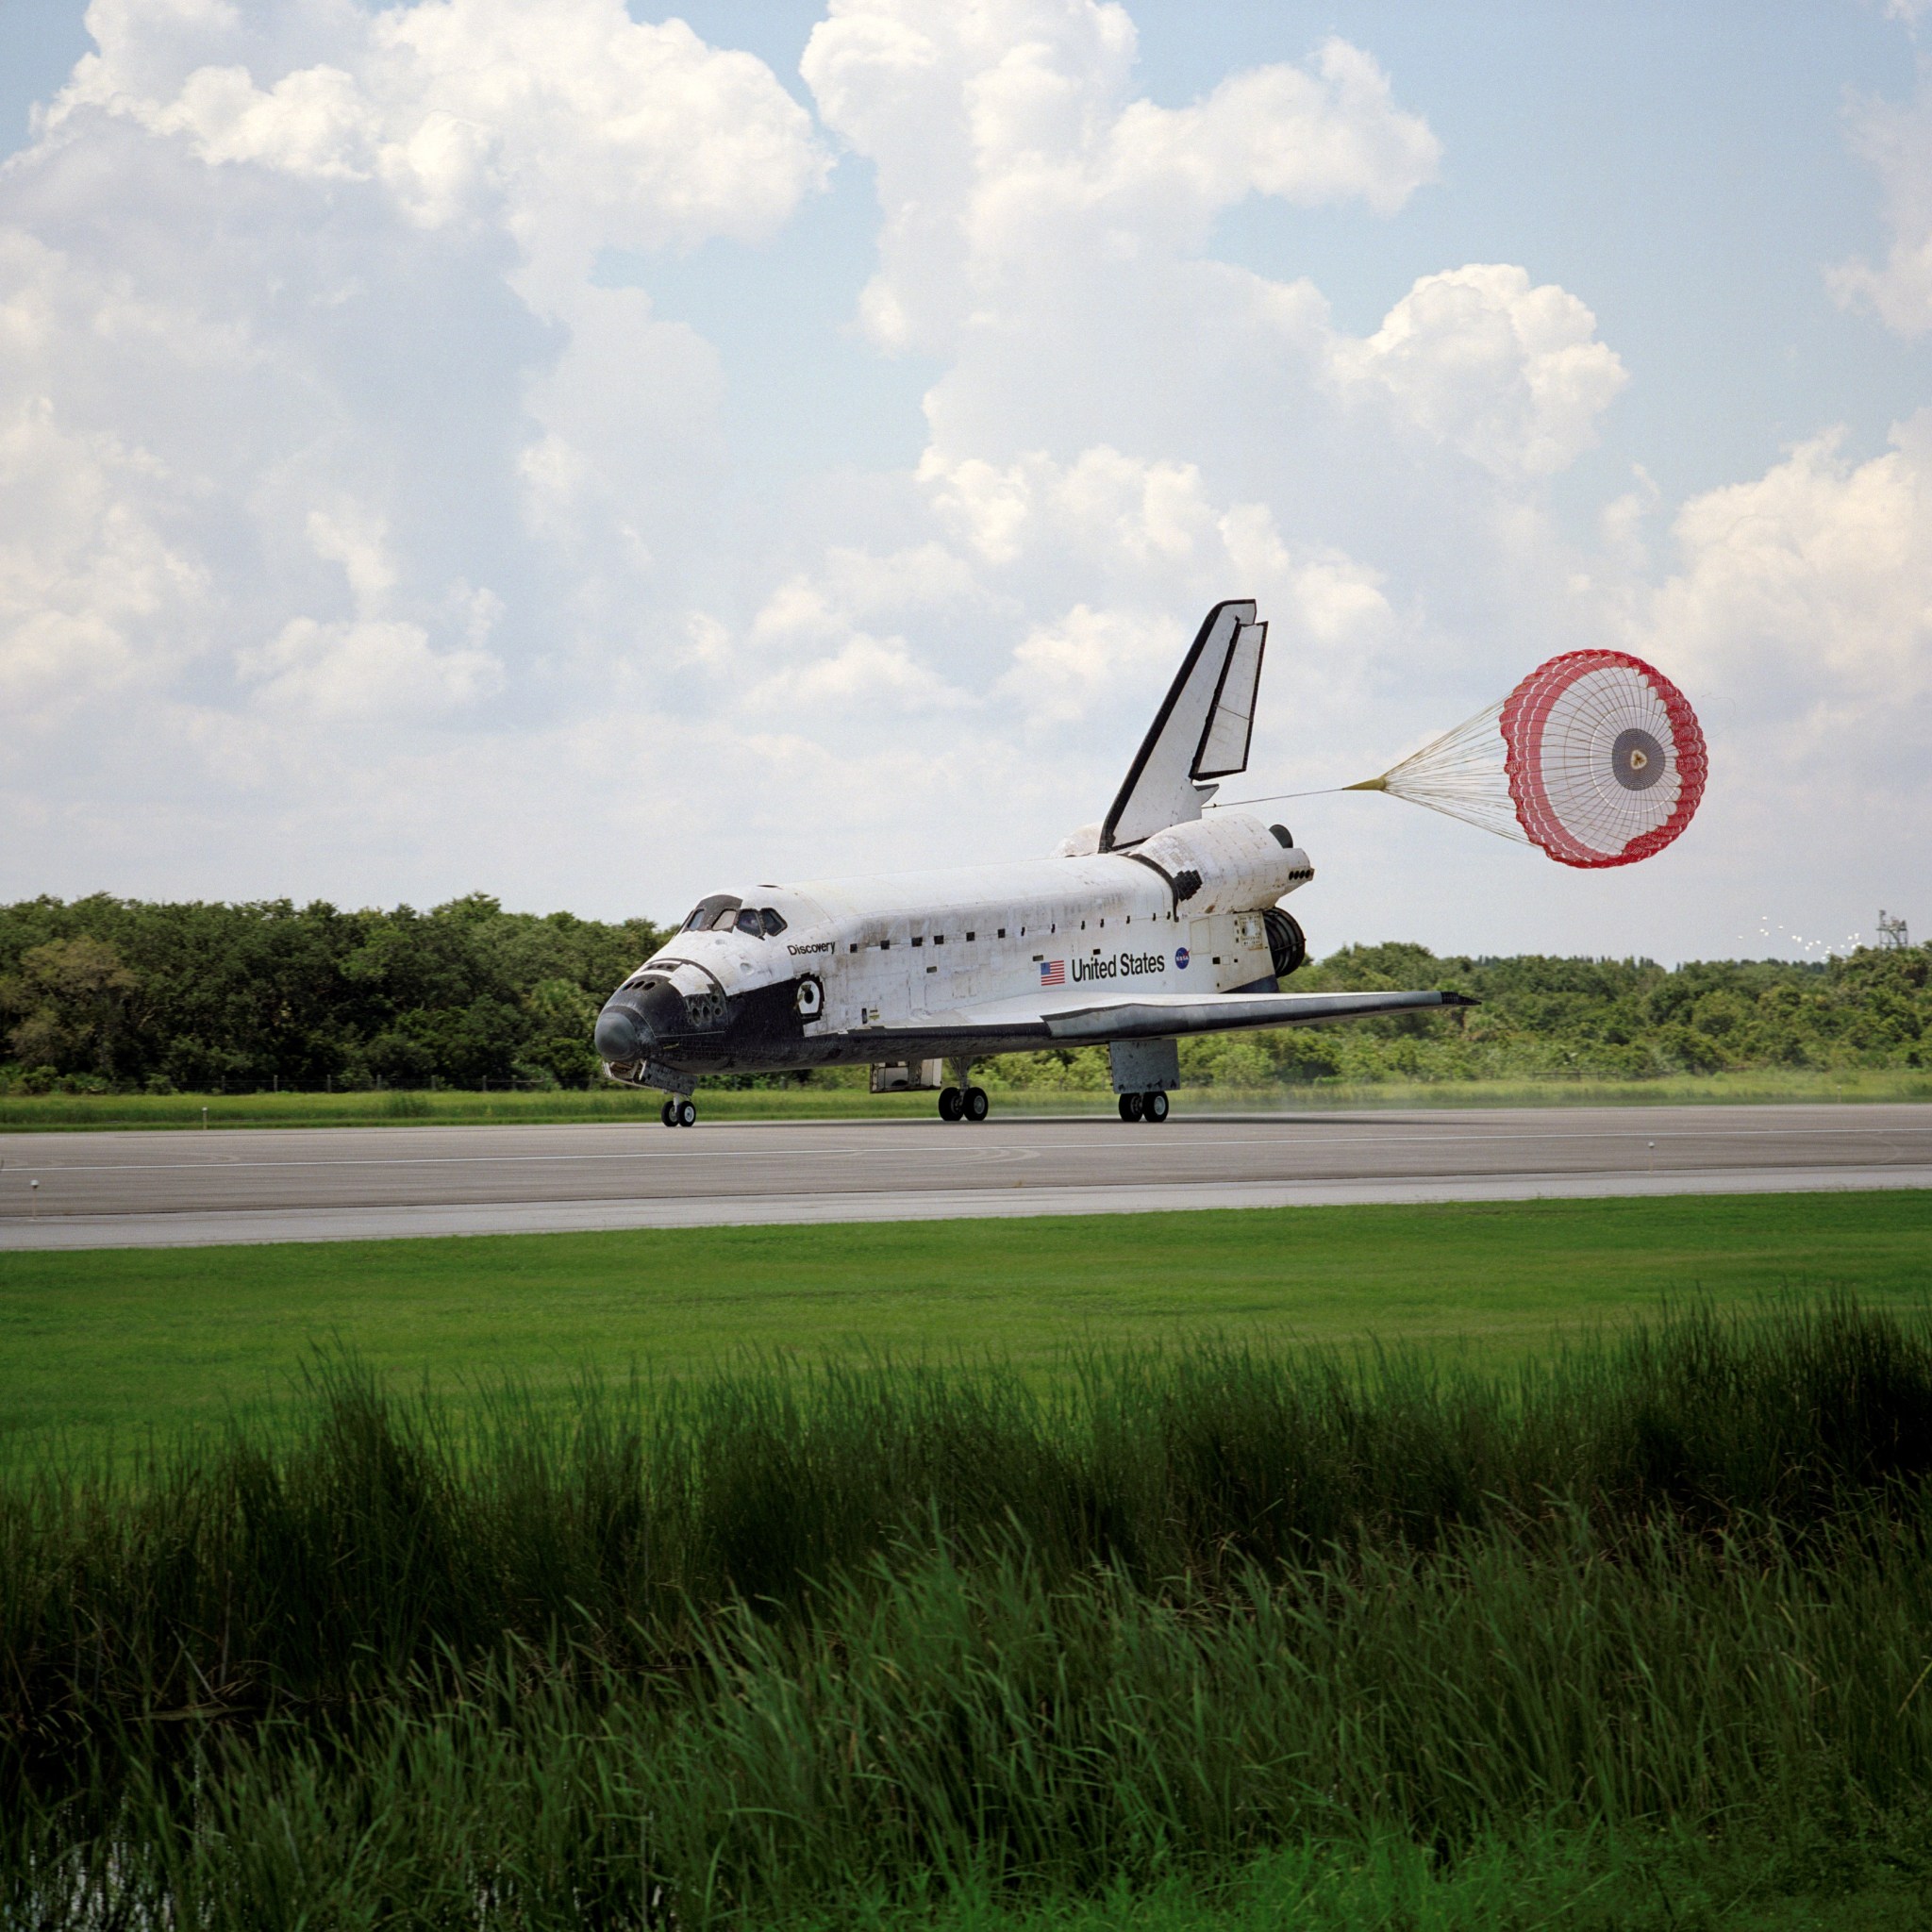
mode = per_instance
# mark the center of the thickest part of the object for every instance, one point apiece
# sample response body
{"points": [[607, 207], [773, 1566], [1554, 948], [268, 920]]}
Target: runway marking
{"points": [[1453, 1177], [231, 1163], [977, 1149]]}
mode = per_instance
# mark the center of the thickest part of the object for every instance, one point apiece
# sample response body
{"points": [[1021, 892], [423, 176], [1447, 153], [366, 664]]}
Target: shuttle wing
{"points": [[1141, 1016], [1155, 1015]]}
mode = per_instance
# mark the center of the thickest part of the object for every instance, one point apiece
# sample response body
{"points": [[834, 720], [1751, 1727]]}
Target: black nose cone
{"points": [[642, 1018], [619, 1035]]}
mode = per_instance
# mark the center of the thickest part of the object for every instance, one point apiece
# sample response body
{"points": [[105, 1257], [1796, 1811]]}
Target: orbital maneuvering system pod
{"points": [[1153, 924]]}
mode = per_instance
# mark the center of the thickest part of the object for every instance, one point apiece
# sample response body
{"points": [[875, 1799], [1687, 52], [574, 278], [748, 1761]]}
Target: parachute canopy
{"points": [[1597, 756]]}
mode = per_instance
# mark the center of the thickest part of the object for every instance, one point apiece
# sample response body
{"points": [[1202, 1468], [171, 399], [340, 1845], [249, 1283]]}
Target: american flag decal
{"points": [[1052, 972]]}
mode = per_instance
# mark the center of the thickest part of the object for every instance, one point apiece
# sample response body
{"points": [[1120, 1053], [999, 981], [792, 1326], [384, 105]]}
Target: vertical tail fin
{"points": [[1200, 733]]}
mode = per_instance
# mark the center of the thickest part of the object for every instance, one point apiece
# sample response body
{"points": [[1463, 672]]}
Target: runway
{"points": [[184, 1189]]}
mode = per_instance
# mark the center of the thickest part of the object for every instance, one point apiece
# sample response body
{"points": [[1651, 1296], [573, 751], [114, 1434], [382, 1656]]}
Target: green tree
{"points": [[73, 998]]}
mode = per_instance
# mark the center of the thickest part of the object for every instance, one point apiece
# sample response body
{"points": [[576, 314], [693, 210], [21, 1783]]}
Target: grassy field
{"points": [[125, 1340], [1629, 1640], [58, 1112]]}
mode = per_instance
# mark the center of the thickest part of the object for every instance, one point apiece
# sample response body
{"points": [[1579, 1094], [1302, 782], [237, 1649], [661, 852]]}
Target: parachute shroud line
{"points": [[1596, 757]]}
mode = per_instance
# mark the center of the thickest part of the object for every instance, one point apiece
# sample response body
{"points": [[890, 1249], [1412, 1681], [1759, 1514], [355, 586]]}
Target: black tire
{"points": [[1125, 1114], [1133, 1105], [687, 1113], [977, 1105], [1155, 1108], [952, 1103], [668, 1113]]}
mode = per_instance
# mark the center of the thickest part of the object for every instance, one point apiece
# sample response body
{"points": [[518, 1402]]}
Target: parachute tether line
{"points": [[1596, 758], [1462, 774]]}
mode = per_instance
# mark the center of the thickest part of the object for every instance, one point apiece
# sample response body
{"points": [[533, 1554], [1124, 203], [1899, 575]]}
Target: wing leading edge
{"points": [[1150, 1016], [1154, 1016]]}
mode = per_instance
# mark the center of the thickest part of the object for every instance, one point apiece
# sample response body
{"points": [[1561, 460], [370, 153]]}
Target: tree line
{"points": [[1601, 1019], [103, 995]]}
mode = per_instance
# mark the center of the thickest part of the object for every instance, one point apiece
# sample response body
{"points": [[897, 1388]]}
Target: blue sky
{"points": [[537, 450]]}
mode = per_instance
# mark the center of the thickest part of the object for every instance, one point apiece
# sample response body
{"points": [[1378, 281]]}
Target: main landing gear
{"points": [[1144, 1107], [680, 1113], [965, 1104]]}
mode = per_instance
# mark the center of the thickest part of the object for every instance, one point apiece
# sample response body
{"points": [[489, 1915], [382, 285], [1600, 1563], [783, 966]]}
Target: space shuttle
{"points": [[1150, 924]]}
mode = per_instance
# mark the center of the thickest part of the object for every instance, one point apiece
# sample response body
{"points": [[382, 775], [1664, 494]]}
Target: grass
{"points": [[61, 1112], [1747, 1086], [1667, 1881], [1632, 1636], [116, 1341]]}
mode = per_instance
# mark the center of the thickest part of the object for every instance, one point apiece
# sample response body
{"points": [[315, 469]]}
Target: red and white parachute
{"points": [[1597, 756]]}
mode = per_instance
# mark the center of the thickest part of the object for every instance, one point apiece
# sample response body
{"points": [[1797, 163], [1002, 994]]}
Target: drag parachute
{"points": [[1597, 756]]}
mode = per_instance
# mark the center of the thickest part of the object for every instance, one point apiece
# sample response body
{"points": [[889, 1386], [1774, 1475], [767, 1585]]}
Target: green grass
{"points": [[1550, 1615], [122, 1340], [1633, 1636], [1665, 1881], [1749, 1086], [58, 1112], [63, 1112]]}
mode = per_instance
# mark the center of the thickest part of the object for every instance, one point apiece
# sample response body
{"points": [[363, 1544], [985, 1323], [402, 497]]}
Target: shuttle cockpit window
{"points": [[713, 914], [748, 922], [775, 921]]}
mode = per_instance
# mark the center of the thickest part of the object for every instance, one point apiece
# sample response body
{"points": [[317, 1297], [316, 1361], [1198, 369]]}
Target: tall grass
{"points": [[779, 1644]]}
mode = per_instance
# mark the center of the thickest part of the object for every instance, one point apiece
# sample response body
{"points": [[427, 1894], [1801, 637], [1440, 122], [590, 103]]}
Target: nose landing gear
{"points": [[680, 1113]]}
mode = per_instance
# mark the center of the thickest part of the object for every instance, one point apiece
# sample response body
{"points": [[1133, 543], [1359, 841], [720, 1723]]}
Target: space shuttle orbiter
{"points": [[1151, 924]]}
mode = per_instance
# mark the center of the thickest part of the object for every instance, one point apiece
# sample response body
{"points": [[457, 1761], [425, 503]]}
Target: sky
{"points": [[599, 456]]}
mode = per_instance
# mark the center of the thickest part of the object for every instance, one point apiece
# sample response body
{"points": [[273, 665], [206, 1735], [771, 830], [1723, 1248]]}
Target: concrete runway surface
{"points": [[176, 1188]]}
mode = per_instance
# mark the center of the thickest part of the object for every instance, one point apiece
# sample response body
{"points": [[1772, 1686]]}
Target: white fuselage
{"points": [[857, 956]]}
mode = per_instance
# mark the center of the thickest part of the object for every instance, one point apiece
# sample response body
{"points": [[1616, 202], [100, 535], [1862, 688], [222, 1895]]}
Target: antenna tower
{"points": [[1892, 932]]}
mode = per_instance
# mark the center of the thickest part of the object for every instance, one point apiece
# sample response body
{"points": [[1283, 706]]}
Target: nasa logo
{"points": [[1180, 958]]}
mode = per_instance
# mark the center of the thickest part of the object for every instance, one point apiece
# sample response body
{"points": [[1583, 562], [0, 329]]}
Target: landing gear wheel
{"points": [[952, 1103], [668, 1113], [1154, 1107], [977, 1105], [1132, 1105], [687, 1113]]}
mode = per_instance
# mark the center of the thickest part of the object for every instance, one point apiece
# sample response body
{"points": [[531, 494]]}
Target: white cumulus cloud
{"points": [[366, 668], [1896, 139], [1807, 593], [1006, 138], [573, 125], [1507, 372], [355, 537]]}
